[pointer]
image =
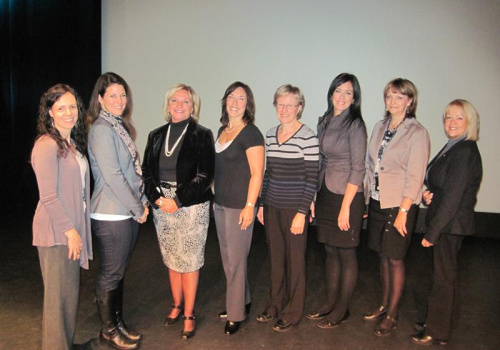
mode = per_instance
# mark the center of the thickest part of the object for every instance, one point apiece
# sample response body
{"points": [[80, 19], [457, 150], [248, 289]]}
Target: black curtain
{"points": [[43, 42]]}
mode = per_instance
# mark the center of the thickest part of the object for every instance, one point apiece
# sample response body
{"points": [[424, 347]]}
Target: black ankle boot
{"points": [[109, 328], [120, 323]]}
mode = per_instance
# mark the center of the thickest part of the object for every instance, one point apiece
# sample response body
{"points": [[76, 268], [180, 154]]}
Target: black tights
{"points": [[341, 277], [392, 275]]}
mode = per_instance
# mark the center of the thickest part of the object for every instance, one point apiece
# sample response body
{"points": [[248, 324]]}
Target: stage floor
{"points": [[147, 298]]}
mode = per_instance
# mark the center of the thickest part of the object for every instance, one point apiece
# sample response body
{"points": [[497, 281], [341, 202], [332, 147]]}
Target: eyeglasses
{"points": [[282, 106]]}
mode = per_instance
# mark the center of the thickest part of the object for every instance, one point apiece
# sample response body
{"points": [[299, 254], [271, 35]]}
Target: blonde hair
{"points": [[471, 114], [195, 99], [286, 89]]}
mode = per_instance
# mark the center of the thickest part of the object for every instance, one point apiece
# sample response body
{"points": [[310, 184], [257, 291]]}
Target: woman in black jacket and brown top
{"points": [[453, 178], [178, 170]]}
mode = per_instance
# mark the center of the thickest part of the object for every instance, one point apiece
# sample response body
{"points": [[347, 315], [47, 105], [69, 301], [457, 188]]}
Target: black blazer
{"points": [[454, 179], [195, 165]]}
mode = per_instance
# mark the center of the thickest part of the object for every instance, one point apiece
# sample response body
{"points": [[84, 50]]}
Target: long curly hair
{"points": [[45, 124]]}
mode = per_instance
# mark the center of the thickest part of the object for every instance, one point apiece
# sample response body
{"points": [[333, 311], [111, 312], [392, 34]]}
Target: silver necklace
{"points": [[168, 152]]}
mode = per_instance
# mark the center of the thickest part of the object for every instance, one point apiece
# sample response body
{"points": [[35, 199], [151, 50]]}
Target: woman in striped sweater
{"points": [[289, 186]]}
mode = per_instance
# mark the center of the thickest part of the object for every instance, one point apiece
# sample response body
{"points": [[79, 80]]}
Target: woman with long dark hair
{"points": [[61, 226], [340, 201], [239, 170], [397, 156], [118, 203]]}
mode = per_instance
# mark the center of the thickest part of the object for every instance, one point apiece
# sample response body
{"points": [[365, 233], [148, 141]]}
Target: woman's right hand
{"points": [[75, 244], [427, 197], [246, 217], [260, 215]]}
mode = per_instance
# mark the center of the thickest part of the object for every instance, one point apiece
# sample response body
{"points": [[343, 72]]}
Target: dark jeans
{"points": [[116, 240]]}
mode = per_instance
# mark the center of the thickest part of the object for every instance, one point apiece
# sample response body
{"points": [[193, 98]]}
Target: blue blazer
{"points": [[117, 185]]}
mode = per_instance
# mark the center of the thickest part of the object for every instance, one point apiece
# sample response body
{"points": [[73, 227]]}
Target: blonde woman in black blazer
{"points": [[451, 196]]}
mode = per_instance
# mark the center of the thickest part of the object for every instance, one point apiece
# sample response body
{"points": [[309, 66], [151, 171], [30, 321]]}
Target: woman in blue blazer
{"points": [[452, 179], [118, 203]]}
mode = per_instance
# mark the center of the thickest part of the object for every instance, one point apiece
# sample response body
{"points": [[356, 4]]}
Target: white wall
{"points": [[448, 48]]}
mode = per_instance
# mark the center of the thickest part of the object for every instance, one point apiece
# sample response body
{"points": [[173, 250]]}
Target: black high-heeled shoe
{"points": [[318, 315], [231, 327], [223, 314], [171, 320], [425, 339], [185, 335], [384, 332], [265, 317], [325, 324], [376, 315]]}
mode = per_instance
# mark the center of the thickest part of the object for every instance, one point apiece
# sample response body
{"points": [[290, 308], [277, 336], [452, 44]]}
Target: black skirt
{"points": [[383, 236], [328, 206]]}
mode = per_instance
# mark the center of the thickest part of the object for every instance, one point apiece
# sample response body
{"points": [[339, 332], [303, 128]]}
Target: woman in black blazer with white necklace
{"points": [[453, 178], [178, 171]]}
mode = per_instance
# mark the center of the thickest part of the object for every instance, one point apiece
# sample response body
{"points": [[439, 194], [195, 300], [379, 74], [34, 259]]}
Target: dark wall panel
{"points": [[44, 42]]}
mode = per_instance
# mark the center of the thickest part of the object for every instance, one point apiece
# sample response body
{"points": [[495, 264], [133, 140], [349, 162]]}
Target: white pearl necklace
{"points": [[168, 152]]}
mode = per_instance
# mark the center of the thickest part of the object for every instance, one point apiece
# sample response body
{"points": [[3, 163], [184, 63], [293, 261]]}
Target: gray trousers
{"points": [[61, 280], [234, 248]]}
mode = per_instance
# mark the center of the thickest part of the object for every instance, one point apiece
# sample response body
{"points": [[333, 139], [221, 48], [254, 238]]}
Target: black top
{"points": [[167, 166], [232, 172]]}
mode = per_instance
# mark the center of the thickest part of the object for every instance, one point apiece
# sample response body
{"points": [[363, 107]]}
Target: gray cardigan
{"points": [[61, 204], [117, 186], [342, 153]]}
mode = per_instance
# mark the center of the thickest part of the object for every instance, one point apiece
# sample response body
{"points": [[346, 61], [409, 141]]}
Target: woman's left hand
{"points": [[312, 208], [169, 206], [400, 223], [246, 217], [298, 224], [75, 244], [426, 243], [343, 219]]}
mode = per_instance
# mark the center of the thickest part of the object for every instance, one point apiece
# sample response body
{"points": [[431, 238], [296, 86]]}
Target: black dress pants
{"points": [[444, 307], [287, 253]]}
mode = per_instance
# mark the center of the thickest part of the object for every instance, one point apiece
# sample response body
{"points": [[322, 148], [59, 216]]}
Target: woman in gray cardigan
{"points": [[340, 201], [118, 202], [61, 226]]}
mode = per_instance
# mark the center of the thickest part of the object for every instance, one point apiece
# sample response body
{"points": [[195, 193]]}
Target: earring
{"points": [[407, 110]]}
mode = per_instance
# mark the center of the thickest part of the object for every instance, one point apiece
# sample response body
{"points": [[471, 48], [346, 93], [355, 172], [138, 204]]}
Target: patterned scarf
{"points": [[117, 123]]}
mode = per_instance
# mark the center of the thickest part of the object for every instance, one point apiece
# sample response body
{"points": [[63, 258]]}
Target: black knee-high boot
{"points": [[109, 330], [120, 323]]}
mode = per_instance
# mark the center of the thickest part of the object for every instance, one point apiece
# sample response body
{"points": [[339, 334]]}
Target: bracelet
{"points": [[403, 210], [250, 204]]}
